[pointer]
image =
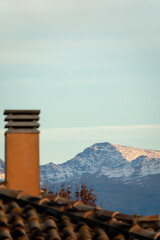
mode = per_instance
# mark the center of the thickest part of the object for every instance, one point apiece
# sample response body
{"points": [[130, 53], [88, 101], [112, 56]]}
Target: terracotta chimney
{"points": [[22, 151]]}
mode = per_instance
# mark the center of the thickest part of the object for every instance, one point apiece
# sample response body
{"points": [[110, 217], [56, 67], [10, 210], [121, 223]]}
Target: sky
{"points": [[91, 67]]}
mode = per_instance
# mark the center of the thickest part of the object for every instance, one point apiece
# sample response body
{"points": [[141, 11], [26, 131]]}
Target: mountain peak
{"points": [[131, 153]]}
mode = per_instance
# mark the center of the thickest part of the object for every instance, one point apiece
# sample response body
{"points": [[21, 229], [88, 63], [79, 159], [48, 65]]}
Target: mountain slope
{"points": [[1, 170]]}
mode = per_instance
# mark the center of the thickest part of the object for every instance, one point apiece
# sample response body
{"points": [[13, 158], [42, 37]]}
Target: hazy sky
{"points": [[91, 67]]}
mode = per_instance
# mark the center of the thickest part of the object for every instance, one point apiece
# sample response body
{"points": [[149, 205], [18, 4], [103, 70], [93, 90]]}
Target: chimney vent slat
{"points": [[22, 117], [7, 112], [22, 124]]}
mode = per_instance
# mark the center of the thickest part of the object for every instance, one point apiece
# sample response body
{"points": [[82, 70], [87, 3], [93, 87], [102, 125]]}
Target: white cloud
{"points": [[49, 82], [101, 133]]}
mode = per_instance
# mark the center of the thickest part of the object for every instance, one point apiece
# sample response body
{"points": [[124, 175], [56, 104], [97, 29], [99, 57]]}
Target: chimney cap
{"points": [[22, 120]]}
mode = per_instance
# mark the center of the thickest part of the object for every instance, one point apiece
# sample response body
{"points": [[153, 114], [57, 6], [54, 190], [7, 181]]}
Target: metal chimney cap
{"points": [[22, 120]]}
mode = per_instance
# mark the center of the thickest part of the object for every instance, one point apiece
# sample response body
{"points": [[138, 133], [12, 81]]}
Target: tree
{"points": [[64, 192], [84, 195]]}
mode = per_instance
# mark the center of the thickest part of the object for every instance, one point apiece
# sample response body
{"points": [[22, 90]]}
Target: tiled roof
{"points": [[54, 218]]}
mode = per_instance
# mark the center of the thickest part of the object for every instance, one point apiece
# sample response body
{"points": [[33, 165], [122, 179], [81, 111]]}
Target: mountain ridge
{"points": [[108, 159]]}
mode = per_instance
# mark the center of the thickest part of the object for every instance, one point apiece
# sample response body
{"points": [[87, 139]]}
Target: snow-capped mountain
{"points": [[111, 160], [124, 178]]}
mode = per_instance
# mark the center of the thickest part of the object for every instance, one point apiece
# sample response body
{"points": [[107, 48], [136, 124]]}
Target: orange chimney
{"points": [[22, 151]]}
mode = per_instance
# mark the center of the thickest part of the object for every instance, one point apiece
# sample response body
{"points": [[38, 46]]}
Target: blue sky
{"points": [[91, 67]]}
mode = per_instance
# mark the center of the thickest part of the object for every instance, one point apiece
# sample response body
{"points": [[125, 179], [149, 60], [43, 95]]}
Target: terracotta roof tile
{"points": [[26, 217]]}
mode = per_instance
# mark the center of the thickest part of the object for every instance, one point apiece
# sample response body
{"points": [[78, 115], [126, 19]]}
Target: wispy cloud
{"points": [[44, 82], [101, 133]]}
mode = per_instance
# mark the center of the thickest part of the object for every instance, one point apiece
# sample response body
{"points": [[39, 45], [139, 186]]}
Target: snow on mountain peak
{"points": [[131, 153]]}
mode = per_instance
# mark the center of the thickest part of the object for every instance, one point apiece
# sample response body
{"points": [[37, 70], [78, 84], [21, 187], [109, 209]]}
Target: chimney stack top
{"points": [[22, 120]]}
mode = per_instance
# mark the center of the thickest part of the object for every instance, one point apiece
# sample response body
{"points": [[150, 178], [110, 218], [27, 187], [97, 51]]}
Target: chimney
{"points": [[22, 151]]}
